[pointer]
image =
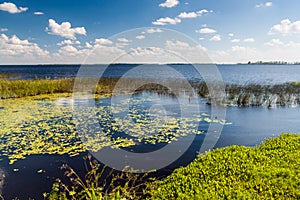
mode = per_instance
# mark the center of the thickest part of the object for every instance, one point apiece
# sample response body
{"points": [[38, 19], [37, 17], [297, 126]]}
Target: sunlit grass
{"points": [[269, 171]]}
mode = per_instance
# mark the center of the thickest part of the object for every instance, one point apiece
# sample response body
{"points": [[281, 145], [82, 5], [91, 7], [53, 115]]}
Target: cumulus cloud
{"points": [[14, 46], [169, 3], [64, 30], [285, 27], [38, 13], [103, 41], [206, 31], [235, 40], [267, 4], [67, 42], [249, 40], [125, 40], [154, 30], [192, 14], [12, 8], [188, 15], [215, 38], [235, 54], [3, 29], [274, 42], [167, 20], [140, 37]]}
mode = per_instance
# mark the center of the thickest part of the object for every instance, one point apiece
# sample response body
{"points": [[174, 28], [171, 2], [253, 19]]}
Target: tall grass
{"points": [[240, 95], [21, 88]]}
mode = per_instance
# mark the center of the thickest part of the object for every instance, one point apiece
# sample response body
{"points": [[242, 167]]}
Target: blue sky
{"points": [[229, 31]]}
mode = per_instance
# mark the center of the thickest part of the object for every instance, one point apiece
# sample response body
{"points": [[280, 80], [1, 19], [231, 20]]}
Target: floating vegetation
{"points": [[45, 124]]}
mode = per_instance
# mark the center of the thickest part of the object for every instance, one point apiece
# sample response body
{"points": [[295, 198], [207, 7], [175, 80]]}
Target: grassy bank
{"points": [[269, 171]]}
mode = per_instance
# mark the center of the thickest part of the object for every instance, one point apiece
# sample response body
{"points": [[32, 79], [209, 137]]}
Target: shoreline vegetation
{"points": [[287, 94], [268, 171]]}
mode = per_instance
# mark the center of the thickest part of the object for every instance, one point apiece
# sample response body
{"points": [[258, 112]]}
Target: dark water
{"points": [[250, 125], [233, 74]]}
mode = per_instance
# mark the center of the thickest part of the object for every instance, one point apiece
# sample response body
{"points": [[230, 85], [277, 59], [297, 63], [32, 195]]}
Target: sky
{"points": [[150, 31]]}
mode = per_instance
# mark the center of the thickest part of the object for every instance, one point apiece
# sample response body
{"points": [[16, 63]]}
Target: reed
{"points": [[235, 95]]}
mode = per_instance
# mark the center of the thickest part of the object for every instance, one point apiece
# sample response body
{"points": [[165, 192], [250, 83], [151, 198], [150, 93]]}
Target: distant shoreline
{"points": [[78, 65]]}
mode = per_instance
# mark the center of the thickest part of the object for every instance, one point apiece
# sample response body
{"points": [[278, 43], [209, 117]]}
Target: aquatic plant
{"points": [[269, 171], [98, 183], [45, 124]]}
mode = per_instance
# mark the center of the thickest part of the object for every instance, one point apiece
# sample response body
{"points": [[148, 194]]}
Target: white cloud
{"points": [[230, 35], [67, 42], [140, 37], [201, 12], [267, 4], [38, 13], [285, 27], [188, 15], [18, 48], [3, 29], [154, 30], [103, 41], [274, 42], [64, 30], [249, 40], [125, 40], [201, 38], [206, 31], [190, 52], [192, 14], [234, 55], [235, 40], [166, 20], [88, 45], [215, 38], [12, 8], [169, 3]]}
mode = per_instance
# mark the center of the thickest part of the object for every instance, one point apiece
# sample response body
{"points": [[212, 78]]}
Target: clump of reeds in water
{"points": [[99, 182], [261, 95]]}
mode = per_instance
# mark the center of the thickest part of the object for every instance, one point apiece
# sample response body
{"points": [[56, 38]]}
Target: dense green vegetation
{"points": [[270, 171], [236, 95], [23, 88]]}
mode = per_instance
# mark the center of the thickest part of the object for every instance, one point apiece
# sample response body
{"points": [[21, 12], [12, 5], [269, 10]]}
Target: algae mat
{"points": [[45, 124]]}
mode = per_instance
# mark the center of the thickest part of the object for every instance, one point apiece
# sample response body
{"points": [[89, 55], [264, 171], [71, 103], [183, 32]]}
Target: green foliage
{"points": [[91, 187], [295, 84], [270, 171]]}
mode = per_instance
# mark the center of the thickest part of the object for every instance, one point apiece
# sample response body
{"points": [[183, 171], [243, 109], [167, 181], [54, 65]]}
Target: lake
{"points": [[232, 74], [242, 125]]}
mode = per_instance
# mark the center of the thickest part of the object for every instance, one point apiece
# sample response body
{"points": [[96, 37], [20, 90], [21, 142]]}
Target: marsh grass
{"points": [[236, 95], [98, 183]]}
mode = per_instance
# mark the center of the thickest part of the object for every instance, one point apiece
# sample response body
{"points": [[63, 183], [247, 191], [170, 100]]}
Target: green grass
{"points": [[270, 171], [295, 84], [23, 88]]}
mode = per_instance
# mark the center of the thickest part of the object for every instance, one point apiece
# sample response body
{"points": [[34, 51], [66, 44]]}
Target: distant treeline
{"points": [[272, 63]]}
